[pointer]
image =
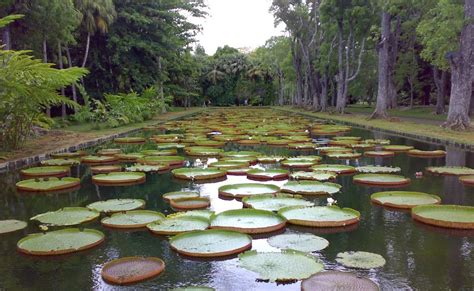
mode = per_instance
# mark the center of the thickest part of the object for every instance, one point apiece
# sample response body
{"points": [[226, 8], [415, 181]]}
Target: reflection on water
{"points": [[418, 256]]}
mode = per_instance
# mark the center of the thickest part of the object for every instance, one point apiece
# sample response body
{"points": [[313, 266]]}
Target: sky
{"points": [[237, 23]]}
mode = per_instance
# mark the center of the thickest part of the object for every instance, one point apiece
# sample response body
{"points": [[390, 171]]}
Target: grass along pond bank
{"points": [[420, 129]]}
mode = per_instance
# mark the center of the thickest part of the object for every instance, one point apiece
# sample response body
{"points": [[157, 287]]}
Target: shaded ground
{"points": [[73, 135]]}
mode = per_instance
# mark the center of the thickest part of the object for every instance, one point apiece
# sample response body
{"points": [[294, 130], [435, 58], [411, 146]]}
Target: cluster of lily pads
{"points": [[199, 232]]}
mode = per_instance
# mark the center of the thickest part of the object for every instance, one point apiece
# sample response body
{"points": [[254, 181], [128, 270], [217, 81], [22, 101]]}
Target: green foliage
{"points": [[439, 31], [27, 87]]}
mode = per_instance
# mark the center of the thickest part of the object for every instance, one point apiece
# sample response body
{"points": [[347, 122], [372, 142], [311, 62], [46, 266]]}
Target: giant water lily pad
{"points": [[397, 148], [248, 221], [275, 202], [147, 168], [132, 219], [240, 154], [119, 178], [48, 184], [178, 224], [198, 151], [130, 270], [104, 169], [129, 157], [311, 188], [467, 180], [59, 242], [314, 176], [180, 194], [47, 171], [225, 165], [117, 205], [11, 225], [183, 204], [67, 216], [198, 173], [60, 162], [360, 260], [337, 280], [303, 242], [426, 154], [288, 265], [344, 156], [169, 146], [379, 154], [336, 168], [378, 169], [268, 174], [109, 152], [404, 199], [451, 216], [160, 160], [298, 163], [204, 213], [381, 180], [247, 189], [169, 152], [211, 243], [270, 159], [320, 216], [452, 171], [97, 160]]}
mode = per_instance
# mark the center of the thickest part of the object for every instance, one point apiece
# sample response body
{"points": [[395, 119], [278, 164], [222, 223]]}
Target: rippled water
{"points": [[418, 256]]}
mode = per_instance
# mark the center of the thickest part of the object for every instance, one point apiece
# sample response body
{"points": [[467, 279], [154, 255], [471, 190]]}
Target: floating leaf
{"points": [[320, 216], [275, 202], [248, 221], [117, 205], [314, 176], [268, 174], [455, 171], [129, 270], [305, 242], [11, 225], [360, 260], [337, 280], [198, 173], [119, 178], [180, 194], [67, 216], [451, 216], [311, 188], [381, 180], [48, 171], [47, 184], [247, 189], [378, 169], [132, 219], [179, 224], [338, 169], [404, 199]]}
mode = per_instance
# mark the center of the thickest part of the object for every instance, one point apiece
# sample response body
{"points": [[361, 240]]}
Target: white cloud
{"points": [[237, 23]]}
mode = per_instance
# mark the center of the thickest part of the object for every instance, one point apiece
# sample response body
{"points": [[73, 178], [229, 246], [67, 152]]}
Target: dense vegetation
{"points": [[140, 59]]}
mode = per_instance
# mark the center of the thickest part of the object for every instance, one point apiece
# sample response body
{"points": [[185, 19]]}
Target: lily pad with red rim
{"points": [[119, 178], [267, 174], [247, 189], [67, 216], [11, 225], [320, 216], [404, 199], [132, 219], [336, 168], [388, 180], [311, 188], [198, 173], [450, 171], [190, 203], [248, 221], [117, 205], [449, 216], [275, 202], [179, 224], [46, 171], [130, 270], [48, 184], [337, 280]]}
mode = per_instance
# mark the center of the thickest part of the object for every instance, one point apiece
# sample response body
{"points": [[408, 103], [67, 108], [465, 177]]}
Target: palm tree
{"points": [[97, 15], [215, 75]]}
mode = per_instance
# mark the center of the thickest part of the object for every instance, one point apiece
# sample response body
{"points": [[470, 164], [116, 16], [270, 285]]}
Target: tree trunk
{"points": [[6, 38], [440, 81], [86, 54], [462, 71], [45, 60], [383, 69], [73, 87], [324, 92], [162, 95], [393, 39], [340, 79], [61, 66], [299, 76]]}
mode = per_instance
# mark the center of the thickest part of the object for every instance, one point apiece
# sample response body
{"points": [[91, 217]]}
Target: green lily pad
{"points": [[147, 168], [132, 219], [426, 154], [117, 205], [187, 203], [179, 224], [11, 225], [268, 174], [378, 169], [240, 154], [298, 163], [378, 141], [109, 152], [129, 156], [311, 188], [47, 184], [180, 194], [211, 243], [247, 189], [404, 199], [360, 260], [320, 216], [397, 148], [275, 202], [379, 154], [248, 221], [60, 162], [337, 280], [209, 143], [225, 165], [198, 173], [288, 265], [104, 169], [239, 171], [248, 160], [270, 159], [59, 242], [314, 176], [97, 160], [169, 152], [67, 216], [381, 180], [160, 160], [450, 216], [204, 213], [119, 178], [304, 242], [344, 156], [47, 171], [198, 151], [453, 171], [169, 146], [336, 168]]}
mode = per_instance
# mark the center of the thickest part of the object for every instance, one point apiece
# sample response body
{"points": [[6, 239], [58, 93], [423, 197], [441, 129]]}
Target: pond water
{"points": [[418, 256]]}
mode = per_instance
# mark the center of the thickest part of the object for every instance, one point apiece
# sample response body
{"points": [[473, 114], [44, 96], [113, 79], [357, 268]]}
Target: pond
{"points": [[417, 256]]}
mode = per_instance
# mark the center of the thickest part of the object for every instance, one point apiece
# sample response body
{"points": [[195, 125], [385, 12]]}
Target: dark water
{"points": [[418, 256]]}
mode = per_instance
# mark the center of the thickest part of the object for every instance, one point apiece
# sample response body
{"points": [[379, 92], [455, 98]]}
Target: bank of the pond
{"points": [[415, 129], [73, 139]]}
